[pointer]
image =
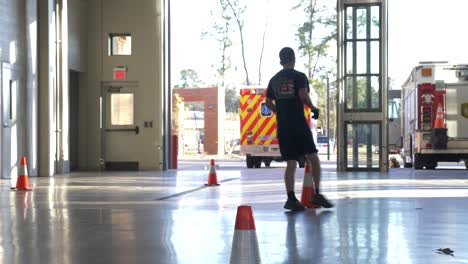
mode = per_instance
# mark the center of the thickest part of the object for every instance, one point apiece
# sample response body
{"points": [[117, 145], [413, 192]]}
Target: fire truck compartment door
{"points": [[457, 123]]}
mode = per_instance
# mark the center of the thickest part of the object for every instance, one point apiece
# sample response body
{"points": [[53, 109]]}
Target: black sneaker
{"points": [[293, 205], [319, 199]]}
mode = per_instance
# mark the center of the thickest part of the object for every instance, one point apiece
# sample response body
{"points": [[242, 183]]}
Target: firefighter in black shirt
{"points": [[288, 92]]}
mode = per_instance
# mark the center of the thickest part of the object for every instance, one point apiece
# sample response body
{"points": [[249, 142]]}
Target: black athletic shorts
{"points": [[295, 144]]}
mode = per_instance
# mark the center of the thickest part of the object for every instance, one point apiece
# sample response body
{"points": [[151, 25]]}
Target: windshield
{"points": [[322, 140]]}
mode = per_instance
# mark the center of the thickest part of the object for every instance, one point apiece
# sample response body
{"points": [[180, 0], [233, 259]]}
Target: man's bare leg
{"points": [[289, 175], [289, 180], [315, 169], [318, 198]]}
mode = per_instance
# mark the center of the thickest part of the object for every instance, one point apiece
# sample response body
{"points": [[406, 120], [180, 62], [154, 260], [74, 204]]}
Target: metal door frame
{"points": [[103, 112], [363, 116], [12, 76]]}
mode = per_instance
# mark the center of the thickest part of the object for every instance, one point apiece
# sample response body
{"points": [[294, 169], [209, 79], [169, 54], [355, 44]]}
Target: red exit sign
{"points": [[120, 73]]}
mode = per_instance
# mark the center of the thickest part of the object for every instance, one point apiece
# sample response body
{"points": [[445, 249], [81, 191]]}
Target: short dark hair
{"points": [[286, 55]]}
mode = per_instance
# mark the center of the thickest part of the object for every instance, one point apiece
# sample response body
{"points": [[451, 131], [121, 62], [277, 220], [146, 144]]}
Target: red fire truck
{"points": [[258, 141], [435, 115]]}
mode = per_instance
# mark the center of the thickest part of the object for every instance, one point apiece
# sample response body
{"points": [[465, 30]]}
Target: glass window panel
{"points": [[120, 44], [375, 91], [361, 57], [349, 93], [375, 57], [122, 109], [361, 93], [349, 58], [361, 23], [349, 22], [363, 145], [394, 108], [375, 22], [13, 100]]}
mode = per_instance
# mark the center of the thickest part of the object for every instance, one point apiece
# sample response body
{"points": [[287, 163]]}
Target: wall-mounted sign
{"points": [[120, 73]]}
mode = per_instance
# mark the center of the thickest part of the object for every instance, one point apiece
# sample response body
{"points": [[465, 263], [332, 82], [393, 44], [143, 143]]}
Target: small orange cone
{"points": [[439, 120], [22, 183], [308, 190], [212, 179], [244, 244]]}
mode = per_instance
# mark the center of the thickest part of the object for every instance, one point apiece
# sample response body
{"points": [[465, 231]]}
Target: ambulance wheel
{"points": [[249, 161], [418, 165], [267, 163], [258, 163]]}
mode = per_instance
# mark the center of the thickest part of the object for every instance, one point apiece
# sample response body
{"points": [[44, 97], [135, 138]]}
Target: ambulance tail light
{"points": [[426, 72], [244, 91]]}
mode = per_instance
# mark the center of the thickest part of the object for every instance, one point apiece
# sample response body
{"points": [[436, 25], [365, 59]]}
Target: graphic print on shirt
{"points": [[285, 89]]}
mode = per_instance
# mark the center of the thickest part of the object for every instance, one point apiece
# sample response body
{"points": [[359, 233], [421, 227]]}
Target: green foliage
{"points": [[316, 34], [221, 31], [189, 78], [232, 100]]}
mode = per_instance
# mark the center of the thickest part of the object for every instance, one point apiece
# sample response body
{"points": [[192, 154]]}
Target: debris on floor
{"points": [[446, 251]]}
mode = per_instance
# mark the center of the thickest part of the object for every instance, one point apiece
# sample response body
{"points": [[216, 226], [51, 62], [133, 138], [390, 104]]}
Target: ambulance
{"points": [[434, 109], [258, 141]]}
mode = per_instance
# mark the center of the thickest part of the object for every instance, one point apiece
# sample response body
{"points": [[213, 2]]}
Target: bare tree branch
{"points": [[237, 15]]}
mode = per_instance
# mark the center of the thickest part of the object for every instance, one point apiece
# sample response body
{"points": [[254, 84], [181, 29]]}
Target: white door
{"points": [[120, 131], [10, 161]]}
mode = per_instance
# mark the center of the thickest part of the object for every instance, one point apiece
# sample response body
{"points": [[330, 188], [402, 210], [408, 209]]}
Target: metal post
{"points": [[328, 118]]}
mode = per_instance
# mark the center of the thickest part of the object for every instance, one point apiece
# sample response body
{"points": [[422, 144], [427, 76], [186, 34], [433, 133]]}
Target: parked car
{"points": [[322, 145]]}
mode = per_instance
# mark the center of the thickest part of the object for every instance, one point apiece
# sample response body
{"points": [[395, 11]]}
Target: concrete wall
{"points": [[77, 34], [141, 19], [18, 20]]}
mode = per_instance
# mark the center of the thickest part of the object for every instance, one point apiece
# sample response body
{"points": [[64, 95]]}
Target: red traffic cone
{"points": [[439, 120], [22, 183], [245, 244], [212, 179], [308, 190]]}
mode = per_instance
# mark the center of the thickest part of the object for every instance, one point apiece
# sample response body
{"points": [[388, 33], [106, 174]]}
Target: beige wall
{"points": [[138, 17], [77, 28]]}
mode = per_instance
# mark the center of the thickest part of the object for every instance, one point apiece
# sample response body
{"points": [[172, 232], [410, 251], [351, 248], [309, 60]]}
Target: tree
{"points": [[237, 12], [232, 100], [189, 78], [221, 33], [313, 47], [315, 36]]}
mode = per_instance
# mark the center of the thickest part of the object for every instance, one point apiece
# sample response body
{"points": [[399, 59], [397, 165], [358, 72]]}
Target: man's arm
{"points": [[270, 104], [305, 98]]}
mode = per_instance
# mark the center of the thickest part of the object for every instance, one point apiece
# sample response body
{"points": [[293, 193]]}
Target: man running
{"points": [[288, 92]]}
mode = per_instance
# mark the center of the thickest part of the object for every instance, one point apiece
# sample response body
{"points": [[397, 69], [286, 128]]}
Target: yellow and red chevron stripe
{"points": [[263, 129]]}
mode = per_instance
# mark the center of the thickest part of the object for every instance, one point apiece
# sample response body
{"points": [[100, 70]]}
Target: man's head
{"points": [[287, 56]]}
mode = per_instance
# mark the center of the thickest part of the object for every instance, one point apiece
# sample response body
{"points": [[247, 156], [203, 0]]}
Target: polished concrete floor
{"points": [[403, 216]]}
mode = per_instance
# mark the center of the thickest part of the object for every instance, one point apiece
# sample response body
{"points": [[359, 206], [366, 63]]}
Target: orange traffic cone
{"points": [[439, 120], [245, 244], [22, 183], [212, 179], [308, 190]]}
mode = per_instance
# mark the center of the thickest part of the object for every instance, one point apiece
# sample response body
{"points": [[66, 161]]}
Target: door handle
{"points": [[136, 129], [6, 125]]}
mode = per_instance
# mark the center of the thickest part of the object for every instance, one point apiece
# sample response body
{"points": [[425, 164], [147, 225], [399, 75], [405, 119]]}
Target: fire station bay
{"points": [[109, 156]]}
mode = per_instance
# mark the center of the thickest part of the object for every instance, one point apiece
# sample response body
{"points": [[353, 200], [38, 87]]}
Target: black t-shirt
{"points": [[284, 88]]}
